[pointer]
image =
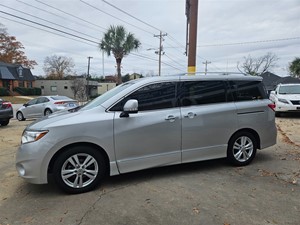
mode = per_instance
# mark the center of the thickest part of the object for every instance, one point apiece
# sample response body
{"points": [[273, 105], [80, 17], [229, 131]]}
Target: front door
{"points": [[151, 137]]}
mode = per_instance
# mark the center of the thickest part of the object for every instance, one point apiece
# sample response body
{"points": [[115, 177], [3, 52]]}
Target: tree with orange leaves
{"points": [[11, 50]]}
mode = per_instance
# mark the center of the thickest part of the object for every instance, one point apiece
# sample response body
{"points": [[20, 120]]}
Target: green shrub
{"points": [[3, 92], [28, 91]]}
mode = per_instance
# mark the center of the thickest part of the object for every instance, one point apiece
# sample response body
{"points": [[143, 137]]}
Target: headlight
{"points": [[31, 136], [283, 100]]}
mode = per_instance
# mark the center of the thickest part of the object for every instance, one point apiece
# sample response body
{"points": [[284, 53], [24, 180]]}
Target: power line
{"points": [[70, 34], [52, 28], [174, 60], [146, 57], [43, 10], [48, 21], [249, 42], [128, 14], [70, 14], [243, 43], [94, 7], [47, 31]]}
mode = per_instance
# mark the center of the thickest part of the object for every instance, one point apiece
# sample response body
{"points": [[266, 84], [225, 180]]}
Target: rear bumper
{"points": [[6, 114]]}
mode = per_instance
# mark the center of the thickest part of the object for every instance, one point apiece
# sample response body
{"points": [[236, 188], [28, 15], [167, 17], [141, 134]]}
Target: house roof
{"points": [[288, 80], [10, 72], [271, 80]]}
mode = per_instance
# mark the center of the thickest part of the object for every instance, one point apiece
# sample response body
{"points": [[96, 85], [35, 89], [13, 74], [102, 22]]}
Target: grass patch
{"points": [[15, 100]]}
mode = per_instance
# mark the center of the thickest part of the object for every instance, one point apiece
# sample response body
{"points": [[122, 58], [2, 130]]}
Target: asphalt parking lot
{"points": [[213, 192]]}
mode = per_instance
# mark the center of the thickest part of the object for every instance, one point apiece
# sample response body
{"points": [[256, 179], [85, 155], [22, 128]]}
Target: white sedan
{"points": [[45, 105]]}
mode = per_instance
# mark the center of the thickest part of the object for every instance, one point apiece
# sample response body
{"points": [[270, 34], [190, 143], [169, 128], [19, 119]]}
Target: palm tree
{"points": [[118, 42], [294, 67]]}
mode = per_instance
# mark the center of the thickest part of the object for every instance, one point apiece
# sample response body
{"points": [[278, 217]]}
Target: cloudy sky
{"points": [[228, 31]]}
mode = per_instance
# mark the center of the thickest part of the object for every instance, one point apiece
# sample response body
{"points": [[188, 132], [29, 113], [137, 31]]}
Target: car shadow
{"points": [[164, 172], [153, 174], [292, 115], [115, 182]]}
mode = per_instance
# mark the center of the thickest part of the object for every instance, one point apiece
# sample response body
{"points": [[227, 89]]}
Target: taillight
{"points": [[59, 103], [6, 105], [272, 106]]}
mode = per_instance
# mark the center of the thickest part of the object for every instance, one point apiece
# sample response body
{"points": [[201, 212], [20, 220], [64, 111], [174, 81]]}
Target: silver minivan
{"points": [[146, 123]]}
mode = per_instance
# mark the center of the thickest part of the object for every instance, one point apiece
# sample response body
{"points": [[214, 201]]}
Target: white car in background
{"points": [[44, 106], [286, 98]]}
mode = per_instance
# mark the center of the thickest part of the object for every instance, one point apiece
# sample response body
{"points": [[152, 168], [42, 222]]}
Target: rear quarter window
{"points": [[247, 90]]}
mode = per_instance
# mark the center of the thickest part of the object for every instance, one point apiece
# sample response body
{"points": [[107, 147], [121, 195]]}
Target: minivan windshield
{"points": [[291, 89], [107, 95]]}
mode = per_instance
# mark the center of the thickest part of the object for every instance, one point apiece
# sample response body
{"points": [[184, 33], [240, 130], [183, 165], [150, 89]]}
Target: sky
{"points": [[228, 31]]}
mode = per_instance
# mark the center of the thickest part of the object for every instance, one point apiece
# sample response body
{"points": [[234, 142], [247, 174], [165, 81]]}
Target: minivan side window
{"points": [[247, 90], [202, 92], [152, 97]]}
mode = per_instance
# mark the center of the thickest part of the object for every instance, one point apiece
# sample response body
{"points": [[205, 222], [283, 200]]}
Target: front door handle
{"points": [[170, 118]]}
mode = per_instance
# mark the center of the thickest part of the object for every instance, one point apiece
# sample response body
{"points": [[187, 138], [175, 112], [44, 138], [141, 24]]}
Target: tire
{"points": [[20, 116], [277, 114], [4, 123], [47, 112], [79, 163], [241, 148]]}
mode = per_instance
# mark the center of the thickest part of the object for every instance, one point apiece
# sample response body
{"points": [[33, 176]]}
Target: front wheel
{"points": [[20, 116], [79, 169], [241, 149]]}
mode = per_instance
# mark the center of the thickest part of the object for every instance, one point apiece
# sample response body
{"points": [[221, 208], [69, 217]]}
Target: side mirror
{"points": [[26, 104], [131, 106], [272, 92]]}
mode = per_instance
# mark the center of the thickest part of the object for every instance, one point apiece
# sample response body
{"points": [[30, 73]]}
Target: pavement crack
{"points": [[92, 207]]}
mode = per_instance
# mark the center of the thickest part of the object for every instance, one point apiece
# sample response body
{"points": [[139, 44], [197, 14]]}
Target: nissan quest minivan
{"points": [[146, 123]]}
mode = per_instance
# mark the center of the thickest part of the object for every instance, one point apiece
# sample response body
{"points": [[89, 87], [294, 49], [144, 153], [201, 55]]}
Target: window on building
{"points": [[53, 88], [65, 87], [20, 71], [21, 84]]}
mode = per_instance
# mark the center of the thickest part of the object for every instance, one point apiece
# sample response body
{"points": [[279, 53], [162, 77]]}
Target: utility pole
{"points": [[160, 49], [206, 62], [87, 78], [192, 19]]}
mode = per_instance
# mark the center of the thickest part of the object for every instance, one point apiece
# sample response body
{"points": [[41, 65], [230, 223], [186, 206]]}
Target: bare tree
{"points": [[57, 67], [257, 66], [79, 88]]}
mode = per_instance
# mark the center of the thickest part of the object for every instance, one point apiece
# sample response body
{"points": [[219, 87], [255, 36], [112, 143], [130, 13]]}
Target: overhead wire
{"points": [[47, 31], [43, 10], [141, 56], [100, 10], [69, 14], [36, 17], [128, 14]]}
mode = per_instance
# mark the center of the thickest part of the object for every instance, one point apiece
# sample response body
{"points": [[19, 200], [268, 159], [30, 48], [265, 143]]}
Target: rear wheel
{"points": [[47, 112], [79, 169], [4, 123], [20, 116], [241, 148]]}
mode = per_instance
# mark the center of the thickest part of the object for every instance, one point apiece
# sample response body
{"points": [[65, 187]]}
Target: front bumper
{"points": [[30, 163], [282, 107]]}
